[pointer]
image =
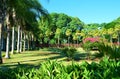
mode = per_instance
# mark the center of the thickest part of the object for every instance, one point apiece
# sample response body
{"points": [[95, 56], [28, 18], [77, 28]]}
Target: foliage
{"points": [[90, 43], [56, 70], [113, 52], [69, 52], [62, 27], [52, 41]]}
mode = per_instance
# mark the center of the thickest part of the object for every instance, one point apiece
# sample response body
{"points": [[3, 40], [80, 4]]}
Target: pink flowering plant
{"points": [[90, 43]]}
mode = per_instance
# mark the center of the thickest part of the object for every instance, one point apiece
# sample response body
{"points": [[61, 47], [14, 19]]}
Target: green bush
{"points": [[69, 52], [112, 52], [90, 45]]}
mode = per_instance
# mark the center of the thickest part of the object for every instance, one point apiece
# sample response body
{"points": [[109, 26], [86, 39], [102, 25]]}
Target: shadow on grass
{"points": [[56, 57], [54, 50], [83, 56], [77, 57], [28, 63]]}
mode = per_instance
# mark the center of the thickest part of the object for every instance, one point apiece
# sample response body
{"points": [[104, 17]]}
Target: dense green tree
{"points": [[117, 29], [75, 24], [57, 34], [68, 33], [23, 9], [62, 20]]}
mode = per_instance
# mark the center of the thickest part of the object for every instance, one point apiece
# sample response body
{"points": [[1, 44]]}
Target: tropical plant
{"points": [[91, 43], [68, 33], [57, 70], [112, 52], [58, 32], [22, 10], [69, 52]]}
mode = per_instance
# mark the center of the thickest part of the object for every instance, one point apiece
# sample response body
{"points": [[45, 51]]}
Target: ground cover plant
{"points": [[46, 64], [112, 52], [57, 70], [69, 52]]}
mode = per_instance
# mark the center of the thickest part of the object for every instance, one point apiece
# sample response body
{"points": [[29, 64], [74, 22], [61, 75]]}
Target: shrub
{"points": [[69, 52], [113, 52], [90, 43]]}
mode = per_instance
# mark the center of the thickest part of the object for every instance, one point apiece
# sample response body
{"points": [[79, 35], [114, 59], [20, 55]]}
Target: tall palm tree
{"points": [[24, 9], [8, 37], [13, 33], [2, 17], [68, 33]]}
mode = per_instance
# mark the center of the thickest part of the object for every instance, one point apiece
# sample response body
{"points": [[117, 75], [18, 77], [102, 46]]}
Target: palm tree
{"points": [[13, 40], [58, 32], [23, 9], [18, 40], [2, 18], [77, 35], [8, 37], [117, 29], [110, 31], [13, 33], [68, 33]]}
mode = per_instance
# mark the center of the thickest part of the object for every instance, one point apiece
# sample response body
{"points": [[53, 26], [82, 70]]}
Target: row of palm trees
{"points": [[22, 14]]}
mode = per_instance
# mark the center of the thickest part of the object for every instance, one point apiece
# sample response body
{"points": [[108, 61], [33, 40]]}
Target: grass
{"points": [[36, 57], [32, 57]]}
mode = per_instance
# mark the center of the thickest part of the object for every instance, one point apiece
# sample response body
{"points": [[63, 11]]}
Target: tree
{"points": [[58, 32], [23, 9], [68, 33], [48, 33], [110, 31], [13, 40], [2, 18], [117, 29], [75, 24], [78, 33], [8, 37]]}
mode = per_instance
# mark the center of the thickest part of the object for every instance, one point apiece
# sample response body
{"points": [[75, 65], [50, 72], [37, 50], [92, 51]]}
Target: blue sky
{"points": [[89, 11]]}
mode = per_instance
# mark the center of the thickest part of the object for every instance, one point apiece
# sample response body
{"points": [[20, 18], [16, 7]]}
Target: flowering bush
{"points": [[92, 40], [90, 43]]}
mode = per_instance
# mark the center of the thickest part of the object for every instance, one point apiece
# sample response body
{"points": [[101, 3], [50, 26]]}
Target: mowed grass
{"points": [[32, 57], [39, 56]]}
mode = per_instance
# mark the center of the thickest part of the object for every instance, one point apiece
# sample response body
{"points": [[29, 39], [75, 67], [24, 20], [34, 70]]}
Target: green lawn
{"points": [[36, 57]]}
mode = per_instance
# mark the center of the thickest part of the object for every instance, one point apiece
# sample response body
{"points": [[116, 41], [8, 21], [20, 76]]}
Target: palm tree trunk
{"points": [[0, 41], [68, 41], [58, 42], [8, 43], [24, 42], [28, 42], [2, 17], [33, 43], [118, 38], [7, 55], [111, 40], [77, 43], [28, 45], [21, 41], [18, 41], [13, 40]]}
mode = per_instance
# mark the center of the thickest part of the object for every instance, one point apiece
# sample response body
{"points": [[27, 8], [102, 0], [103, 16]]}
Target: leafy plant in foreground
{"points": [[105, 69]]}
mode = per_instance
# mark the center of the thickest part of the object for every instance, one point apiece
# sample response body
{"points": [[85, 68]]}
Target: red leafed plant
{"points": [[90, 39], [90, 43]]}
